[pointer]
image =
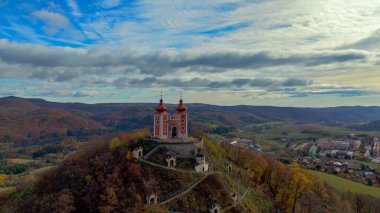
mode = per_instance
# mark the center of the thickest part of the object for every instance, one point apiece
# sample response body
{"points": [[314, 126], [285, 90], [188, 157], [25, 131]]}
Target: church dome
{"points": [[161, 107], [181, 107]]}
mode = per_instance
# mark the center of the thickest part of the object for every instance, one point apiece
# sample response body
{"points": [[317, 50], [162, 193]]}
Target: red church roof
{"points": [[161, 107], [181, 107]]}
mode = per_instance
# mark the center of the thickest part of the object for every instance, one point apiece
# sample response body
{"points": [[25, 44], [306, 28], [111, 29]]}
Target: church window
{"points": [[183, 121], [156, 122]]}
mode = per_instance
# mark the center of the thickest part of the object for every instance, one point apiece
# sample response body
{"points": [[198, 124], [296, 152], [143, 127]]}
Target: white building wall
{"points": [[201, 167]]}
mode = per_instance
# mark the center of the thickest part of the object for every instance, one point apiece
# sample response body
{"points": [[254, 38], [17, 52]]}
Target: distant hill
{"points": [[19, 117], [23, 121], [120, 114], [370, 126]]}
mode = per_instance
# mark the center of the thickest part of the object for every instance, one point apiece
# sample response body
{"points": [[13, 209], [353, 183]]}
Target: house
{"points": [[349, 155], [376, 147], [367, 151], [341, 145], [355, 144], [341, 154], [324, 144], [333, 153], [352, 136], [337, 170]]}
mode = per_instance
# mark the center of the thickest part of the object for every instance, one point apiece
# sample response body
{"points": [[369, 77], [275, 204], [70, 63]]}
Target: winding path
{"points": [[184, 191], [169, 168], [166, 199], [180, 192]]}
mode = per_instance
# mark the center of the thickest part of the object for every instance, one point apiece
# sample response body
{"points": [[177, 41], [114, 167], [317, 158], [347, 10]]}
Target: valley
{"points": [[98, 142]]}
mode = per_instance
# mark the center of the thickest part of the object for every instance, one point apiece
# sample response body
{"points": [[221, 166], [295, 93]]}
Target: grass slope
{"points": [[344, 185]]}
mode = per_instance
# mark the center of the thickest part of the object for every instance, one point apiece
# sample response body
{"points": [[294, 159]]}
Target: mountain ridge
{"points": [[131, 116]]}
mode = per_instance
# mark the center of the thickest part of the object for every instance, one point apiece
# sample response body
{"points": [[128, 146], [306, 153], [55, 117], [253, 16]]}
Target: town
{"points": [[353, 157]]}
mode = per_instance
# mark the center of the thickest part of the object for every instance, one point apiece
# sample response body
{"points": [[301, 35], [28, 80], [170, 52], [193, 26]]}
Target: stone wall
{"points": [[181, 150]]}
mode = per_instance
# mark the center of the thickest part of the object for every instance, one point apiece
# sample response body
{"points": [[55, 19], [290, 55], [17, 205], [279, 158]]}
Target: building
{"points": [[152, 199], [376, 147], [170, 126], [137, 153], [324, 144], [312, 151], [202, 165], [215, 208], [355, 144], [171, 160], [341, 145]]}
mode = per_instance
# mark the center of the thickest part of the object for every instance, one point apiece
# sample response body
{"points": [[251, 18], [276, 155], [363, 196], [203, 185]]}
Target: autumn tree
{"points": [[2, 178]]}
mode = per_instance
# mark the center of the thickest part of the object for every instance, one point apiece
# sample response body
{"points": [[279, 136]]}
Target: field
{"points": [[21, 160], [344, 185], [372, 165]]}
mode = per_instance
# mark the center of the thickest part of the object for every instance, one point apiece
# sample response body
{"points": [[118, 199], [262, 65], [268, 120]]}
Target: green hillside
{"points": [[346, 185]]}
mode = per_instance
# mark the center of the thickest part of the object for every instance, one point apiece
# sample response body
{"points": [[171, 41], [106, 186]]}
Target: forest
{"points": [[291, 188], [104, 178]]}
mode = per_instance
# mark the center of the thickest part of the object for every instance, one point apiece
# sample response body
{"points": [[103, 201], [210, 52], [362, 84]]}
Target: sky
{"points": [[227, 52]]}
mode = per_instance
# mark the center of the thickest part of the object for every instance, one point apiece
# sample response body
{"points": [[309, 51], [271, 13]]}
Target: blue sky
{"points": [[228, 52]]}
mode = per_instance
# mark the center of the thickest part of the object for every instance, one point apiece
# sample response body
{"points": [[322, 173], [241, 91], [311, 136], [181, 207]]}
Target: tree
{"points": [[128, 156], [115, 143], [2, 178], [61, 202], [154, 209], [108, 201], [7, 138]]}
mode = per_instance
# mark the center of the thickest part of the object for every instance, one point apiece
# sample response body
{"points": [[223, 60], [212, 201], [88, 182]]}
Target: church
{"points": [[170, 126]]}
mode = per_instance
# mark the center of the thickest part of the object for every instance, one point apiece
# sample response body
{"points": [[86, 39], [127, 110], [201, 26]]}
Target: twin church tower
{"points": [[170, 126]]}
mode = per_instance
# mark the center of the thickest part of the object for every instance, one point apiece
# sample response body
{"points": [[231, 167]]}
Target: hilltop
{"points": [[104, 178]]}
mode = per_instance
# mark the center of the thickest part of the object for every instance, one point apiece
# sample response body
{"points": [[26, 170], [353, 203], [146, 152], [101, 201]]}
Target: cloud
{"points": [[296, 49], [266, 59], [371, 42], [341, 93], [81, 94], [268, 84], [160, 61], [66, 76], [54, 22], [74, 7], [291, 82], [110, 3], [48, 93], [95, 68]]}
